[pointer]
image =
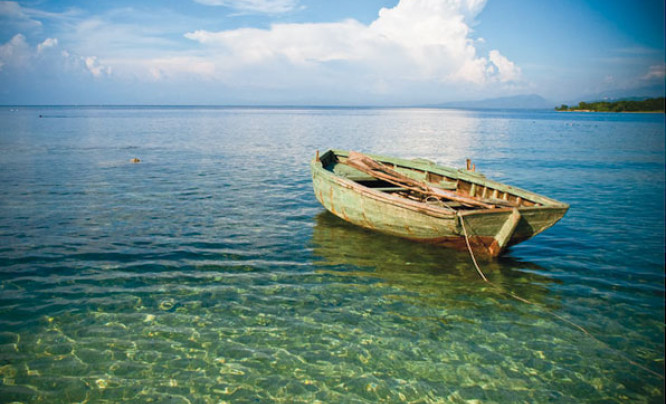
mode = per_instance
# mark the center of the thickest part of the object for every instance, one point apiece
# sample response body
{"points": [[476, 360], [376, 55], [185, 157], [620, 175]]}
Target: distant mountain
{"points": [[531, 101]]}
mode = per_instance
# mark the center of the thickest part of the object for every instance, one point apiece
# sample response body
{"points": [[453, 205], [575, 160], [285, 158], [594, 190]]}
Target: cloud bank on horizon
{"points": [[413, 51]]}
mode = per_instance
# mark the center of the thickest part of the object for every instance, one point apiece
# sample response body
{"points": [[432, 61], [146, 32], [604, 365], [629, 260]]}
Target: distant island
{"points": [[648, 105]]}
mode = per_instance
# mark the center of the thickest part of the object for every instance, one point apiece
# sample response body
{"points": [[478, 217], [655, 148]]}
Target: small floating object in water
{"points": [[135, 160], [167, 304], [419, 200]]}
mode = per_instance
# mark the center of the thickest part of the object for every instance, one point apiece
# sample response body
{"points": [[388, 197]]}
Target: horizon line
{"points": [[272, 106]]}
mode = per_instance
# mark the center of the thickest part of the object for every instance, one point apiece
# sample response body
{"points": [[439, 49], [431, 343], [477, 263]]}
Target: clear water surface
{"points": [[208, 272]]}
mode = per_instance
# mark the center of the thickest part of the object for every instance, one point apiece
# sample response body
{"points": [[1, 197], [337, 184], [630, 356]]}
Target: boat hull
{"points": [[482, 229]]}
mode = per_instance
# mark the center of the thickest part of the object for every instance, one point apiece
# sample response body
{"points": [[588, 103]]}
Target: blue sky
{"points": [[323, 52]]}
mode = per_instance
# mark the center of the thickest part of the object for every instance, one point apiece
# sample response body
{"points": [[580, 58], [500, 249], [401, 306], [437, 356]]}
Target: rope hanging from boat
{"points": [[521, 299], [469, 248]]}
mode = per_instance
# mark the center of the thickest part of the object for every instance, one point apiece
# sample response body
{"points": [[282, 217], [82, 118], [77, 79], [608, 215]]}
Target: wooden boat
{"points": [[421, 201]]}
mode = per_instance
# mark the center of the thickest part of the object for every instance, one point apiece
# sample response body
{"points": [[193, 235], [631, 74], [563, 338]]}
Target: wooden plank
{"points": [[390, 189], [451, 185], [381, 171], [508, 228], [501, 202]]}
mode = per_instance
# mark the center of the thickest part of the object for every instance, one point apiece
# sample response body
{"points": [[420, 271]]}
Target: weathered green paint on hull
{"points": [[489, 231]]}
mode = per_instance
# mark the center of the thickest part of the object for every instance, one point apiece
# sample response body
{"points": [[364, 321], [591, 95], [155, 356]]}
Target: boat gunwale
{"points": [[471, 177], [420, 207]]}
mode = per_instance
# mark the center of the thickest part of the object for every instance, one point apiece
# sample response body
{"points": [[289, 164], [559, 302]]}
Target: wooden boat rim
{"points": [[460, 174]]}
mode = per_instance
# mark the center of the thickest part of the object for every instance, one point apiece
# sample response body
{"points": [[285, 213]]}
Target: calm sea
{"points": [[208, 272]]}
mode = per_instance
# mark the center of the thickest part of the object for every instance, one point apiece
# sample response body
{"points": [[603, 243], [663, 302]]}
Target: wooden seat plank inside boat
{"points": [[388, 175]]}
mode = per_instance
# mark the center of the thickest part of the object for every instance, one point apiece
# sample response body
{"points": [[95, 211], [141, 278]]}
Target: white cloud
{"points": [[417, 51], [16, 14], [15, 53], [260, 6], [20, 57], [95, 68], [656, 72], [300, 44], [416, 41], [11, 9], [507, 71], [159, 69], [48, 43], [25, 19]]}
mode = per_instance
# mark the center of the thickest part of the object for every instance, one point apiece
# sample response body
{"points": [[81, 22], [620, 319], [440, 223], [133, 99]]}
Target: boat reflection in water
{"points": [[348, 250]]}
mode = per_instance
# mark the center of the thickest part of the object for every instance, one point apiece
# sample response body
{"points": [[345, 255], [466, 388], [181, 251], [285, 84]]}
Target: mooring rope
{"points": [[521, 299], [469, 248]]}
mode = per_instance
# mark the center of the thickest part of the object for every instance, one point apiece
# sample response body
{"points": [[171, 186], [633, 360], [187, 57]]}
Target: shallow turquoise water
{"points": [[208, 272]]}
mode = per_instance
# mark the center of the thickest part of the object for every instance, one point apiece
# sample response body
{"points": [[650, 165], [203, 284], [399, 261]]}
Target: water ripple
{"points": [[209, 273]]}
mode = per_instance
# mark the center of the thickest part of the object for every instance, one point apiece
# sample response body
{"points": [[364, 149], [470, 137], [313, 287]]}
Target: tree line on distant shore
{"points": [[649, 105]]}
